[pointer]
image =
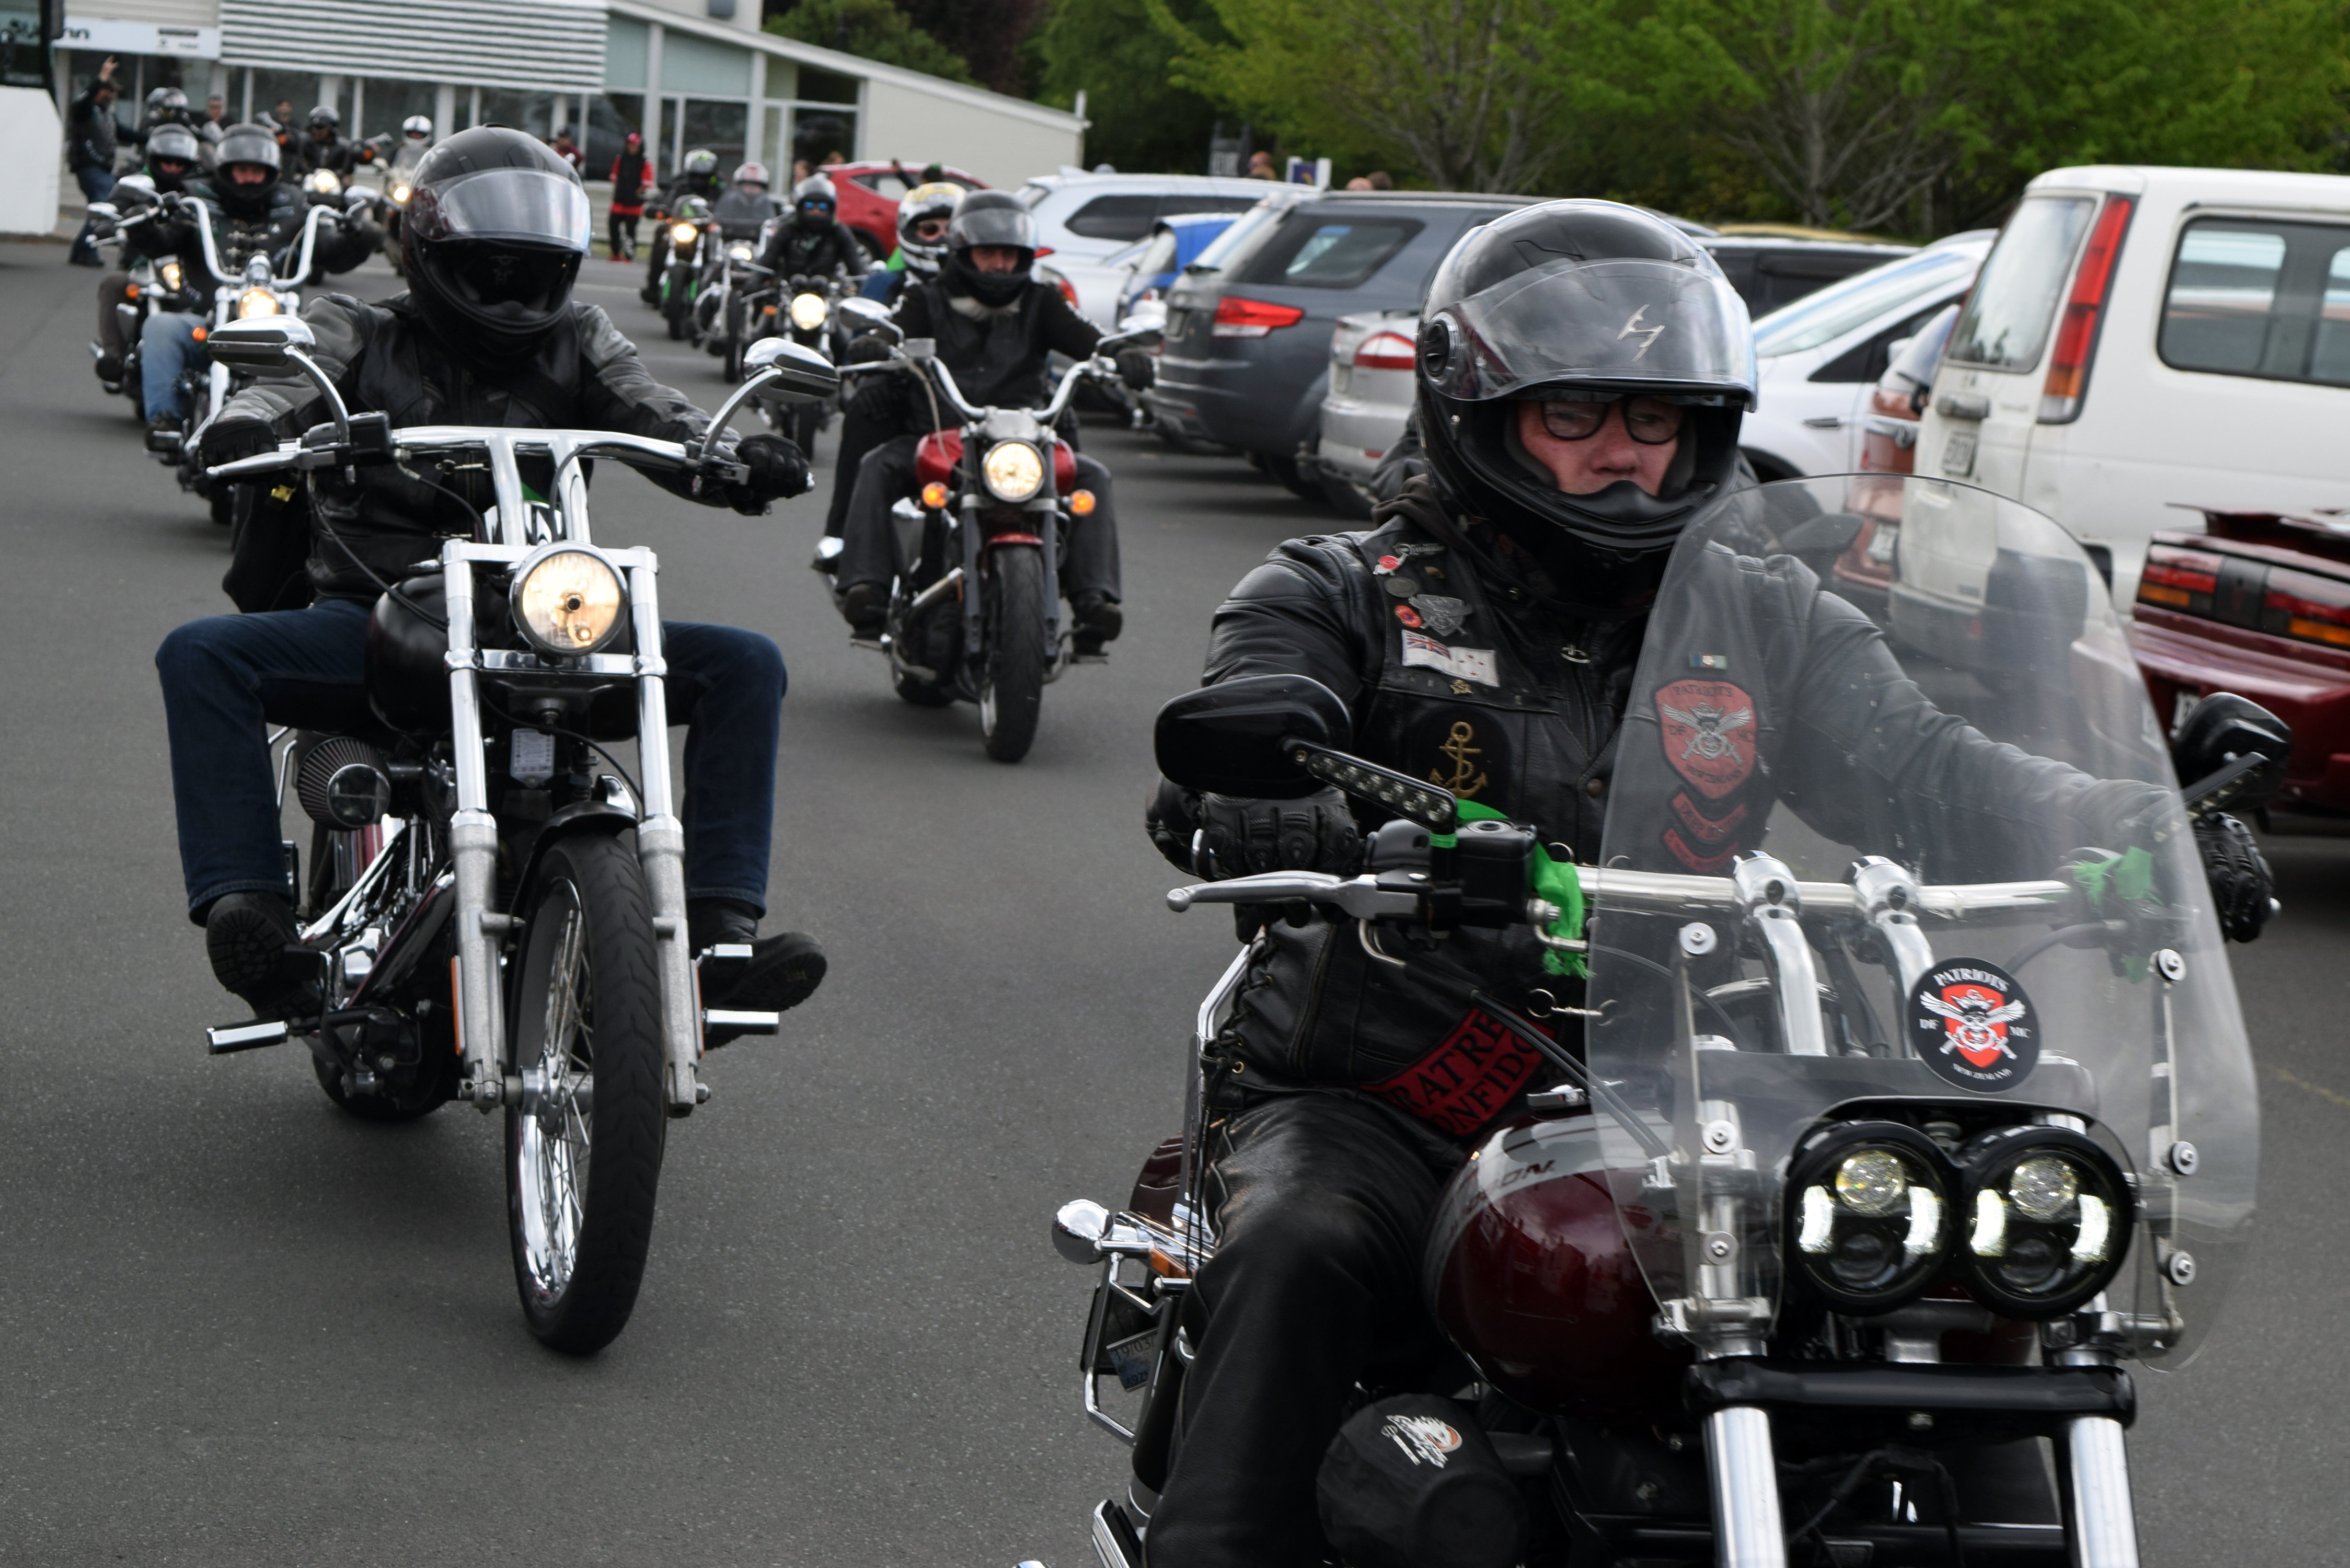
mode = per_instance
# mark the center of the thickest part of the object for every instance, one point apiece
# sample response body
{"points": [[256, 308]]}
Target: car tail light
{"points": [[1068, 290], [2076, 334], [2179, 579], [1385, 352], [1238, 318], [2306, 605]]}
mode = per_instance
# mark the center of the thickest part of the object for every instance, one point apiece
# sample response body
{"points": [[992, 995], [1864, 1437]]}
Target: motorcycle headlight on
{"points": [[1869, 1214], [682, 235], [256, 302], [739, 251], [1014, 470], [807, 311], [323, 182], [172, 275], [567, 600], [400, 196], [2047, 1219]]}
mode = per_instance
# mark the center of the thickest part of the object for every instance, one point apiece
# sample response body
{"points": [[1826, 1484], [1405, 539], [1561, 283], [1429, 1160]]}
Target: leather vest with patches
{"points": [[1487, 699]]}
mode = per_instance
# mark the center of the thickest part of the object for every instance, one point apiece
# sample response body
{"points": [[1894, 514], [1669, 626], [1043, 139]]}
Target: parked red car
{"points": [[2258, 604], [869, 193]]}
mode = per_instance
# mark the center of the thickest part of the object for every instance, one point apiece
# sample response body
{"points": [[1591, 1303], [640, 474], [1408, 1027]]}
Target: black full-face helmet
{"points": [[495, 227], [174, 154], [246, 145], [1581, 300], [996, 218]]}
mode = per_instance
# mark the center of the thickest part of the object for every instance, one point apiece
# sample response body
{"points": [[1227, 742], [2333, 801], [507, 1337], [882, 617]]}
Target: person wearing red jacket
{"points": [[632, 176]]}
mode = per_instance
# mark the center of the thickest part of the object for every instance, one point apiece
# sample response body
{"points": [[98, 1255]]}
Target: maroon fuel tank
{"points": [[1528, 1271]]}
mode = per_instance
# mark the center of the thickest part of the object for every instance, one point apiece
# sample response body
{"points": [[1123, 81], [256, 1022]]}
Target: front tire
{"points": [[1011, 690], [582, 1168]]}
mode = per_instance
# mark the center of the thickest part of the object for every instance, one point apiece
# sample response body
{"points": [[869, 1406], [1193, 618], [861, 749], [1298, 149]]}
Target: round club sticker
{"points": [[1974, 1026]]}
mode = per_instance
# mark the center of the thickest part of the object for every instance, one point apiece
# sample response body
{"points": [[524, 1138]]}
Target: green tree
{"points": [[1109, 50], [1470, 93], [869, 29]]}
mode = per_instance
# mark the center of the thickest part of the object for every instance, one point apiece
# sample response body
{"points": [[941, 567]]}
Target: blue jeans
{"points": [[226, 676], [97, 184], [166, 350]]}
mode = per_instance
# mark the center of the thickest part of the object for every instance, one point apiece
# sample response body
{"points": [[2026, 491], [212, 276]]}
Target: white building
{"points": [[688, 73]]}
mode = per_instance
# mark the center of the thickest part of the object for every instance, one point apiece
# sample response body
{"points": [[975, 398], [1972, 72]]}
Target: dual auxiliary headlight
{"points": [[2032, 1220]]}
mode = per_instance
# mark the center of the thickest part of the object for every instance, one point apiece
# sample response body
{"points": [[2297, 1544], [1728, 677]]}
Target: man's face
{"points": [[105, 96], [997, 260], [284, 110], [248, 174], [215, 108], [322, 134], [170, 169], [1589, 446], [930, 230]]}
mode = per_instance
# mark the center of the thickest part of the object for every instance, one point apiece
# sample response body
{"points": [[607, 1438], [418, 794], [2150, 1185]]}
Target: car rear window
{"points": [[2249, 298], [1322, 250], [2005, 324], [1130, 217], [1854, 302]]}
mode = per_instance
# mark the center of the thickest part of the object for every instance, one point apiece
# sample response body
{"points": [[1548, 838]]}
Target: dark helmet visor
{"points": [[992, 226], [522, 206], [1626, 324]]}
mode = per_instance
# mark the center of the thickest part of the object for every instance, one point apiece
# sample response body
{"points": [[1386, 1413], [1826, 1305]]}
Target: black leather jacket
{"points": [[1001, 358], [384, 359], [273, 233], [1474, 683], [794, 252]]}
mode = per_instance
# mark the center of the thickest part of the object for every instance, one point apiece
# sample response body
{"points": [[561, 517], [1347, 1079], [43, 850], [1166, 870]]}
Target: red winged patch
{"points": [[1709, 733]]}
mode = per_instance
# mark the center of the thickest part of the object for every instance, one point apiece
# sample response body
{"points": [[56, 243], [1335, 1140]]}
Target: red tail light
{"points": [[2179, 579], [2077, 334], [2306, 605], [1068, 290], [1385, 351], [1238, 318]]}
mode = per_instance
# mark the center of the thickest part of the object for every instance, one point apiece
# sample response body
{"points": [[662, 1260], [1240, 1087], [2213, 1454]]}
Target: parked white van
{"points": [[2143, 339]]}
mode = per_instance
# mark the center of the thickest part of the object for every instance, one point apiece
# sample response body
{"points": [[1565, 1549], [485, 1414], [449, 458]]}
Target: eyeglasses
{"points": [[931, 229], [1651, 421]]}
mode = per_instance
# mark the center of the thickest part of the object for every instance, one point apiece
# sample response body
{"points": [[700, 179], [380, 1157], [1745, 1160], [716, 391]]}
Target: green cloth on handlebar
{"points": [[2128, 876], [1554, 881]]}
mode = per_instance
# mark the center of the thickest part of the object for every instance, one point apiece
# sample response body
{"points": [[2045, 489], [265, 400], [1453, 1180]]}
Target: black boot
{"points": [[866, 607], [256, 952], [163, 433], [1096, 620], [782, 971]]}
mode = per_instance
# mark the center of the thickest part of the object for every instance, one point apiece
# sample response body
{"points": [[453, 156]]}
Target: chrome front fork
{"points": [[661, 847], [473, 850]]}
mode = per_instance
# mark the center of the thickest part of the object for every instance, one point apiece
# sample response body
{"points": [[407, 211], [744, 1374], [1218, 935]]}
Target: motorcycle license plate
{"points": [[1958, 455], [1881, 541]]}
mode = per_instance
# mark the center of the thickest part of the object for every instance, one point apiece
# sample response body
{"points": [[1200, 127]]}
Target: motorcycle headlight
{"points": [[2048, 1219], [324, 181], [1014, 470], [171, 273], [255, 302], [739, 251], [807, 311], [567, 600], [1869, 1214], [400, 196], [682, 235]]}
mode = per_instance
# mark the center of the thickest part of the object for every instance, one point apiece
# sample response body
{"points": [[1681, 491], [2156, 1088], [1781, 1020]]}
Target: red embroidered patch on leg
{"points": [[1465, 1082]]}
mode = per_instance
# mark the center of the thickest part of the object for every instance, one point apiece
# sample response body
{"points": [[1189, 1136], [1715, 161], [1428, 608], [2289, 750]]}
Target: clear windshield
{"points": [[1893, 838]]}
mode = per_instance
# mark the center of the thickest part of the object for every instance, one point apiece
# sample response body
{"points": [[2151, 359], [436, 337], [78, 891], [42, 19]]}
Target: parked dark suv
{"points": [[1247, 351]]}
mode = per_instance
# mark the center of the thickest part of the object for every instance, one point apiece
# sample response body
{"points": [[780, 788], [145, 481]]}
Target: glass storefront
{"points": [[609, 119], [717, 124], [386, 103]]}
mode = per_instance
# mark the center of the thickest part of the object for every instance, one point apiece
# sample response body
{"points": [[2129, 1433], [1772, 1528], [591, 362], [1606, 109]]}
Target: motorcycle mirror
{"points": [[1234, 738], [2230, 750], [871, 315], [263, 343], [106, 210], [355, 200], [800, 374], [1078, 1228]]}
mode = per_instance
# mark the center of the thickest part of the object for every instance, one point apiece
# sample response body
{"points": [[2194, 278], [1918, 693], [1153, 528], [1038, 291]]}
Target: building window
{"points": [[387, 103], [610, 118], [530, 111], [822, 134], [287, 97], [719, 125]]}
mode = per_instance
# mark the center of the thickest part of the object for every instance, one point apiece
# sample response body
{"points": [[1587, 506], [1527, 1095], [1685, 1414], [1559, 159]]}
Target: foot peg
{"points": [[717, 965], [163, 443], [246, 1037], [1114, 1539]]}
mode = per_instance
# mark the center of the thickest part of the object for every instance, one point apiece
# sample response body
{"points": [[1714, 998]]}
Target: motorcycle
{"points": [[400, 178], [1886, 1155], [807, 309], [157, 283], [681, 278], [725, 298], [976, 618], [483, 931], [257, 290]]}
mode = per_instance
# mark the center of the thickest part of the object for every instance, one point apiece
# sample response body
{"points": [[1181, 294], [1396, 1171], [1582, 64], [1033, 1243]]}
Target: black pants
{"points": [[658, 251], [621, 229], [885, 474], [1321, 1200]]}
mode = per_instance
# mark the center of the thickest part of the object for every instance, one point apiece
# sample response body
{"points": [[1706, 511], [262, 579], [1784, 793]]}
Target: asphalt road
{"points": [[243, 1328]]}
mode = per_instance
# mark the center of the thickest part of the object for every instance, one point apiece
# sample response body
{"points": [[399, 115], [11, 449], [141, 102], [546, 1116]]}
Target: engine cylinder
{"points": [[1528, 1271]]}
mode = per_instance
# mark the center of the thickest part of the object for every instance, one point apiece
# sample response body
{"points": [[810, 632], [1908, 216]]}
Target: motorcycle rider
{"points": [[994, 326], [699, 177], [744, 208], [1582, 375], [173, 156], [251, 213], [815, 242], [488, 334], [923, 215], [323, 148]]}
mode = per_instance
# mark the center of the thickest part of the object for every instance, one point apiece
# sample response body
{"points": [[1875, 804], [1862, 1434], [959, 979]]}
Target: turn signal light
{"points": [[2076, 334], [201, 334], [1239, 317], [934, 495], [1082, 503], [131, 291]]}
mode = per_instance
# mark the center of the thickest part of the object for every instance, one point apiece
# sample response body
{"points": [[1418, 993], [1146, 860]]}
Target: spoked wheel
{"points": [[584, 1146], [1012, 690]]}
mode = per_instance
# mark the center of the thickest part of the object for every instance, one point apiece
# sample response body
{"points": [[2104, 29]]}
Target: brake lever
{"points": [[1368, 898]]}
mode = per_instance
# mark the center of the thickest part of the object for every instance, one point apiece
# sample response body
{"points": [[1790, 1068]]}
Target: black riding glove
{"points": [[231, 436], [2241, 886], [778, 472], [1136, 368], [869, 349], [1242, 837]]}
